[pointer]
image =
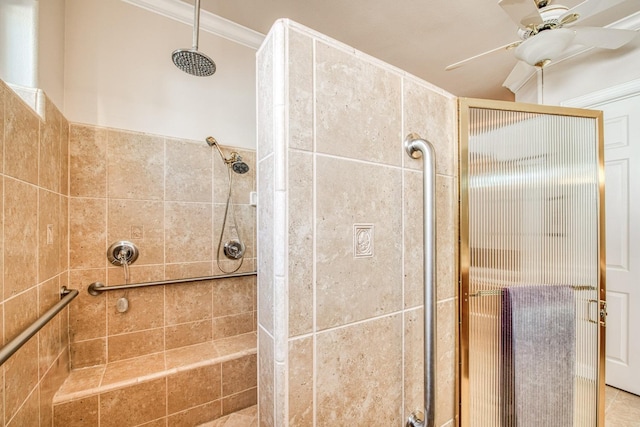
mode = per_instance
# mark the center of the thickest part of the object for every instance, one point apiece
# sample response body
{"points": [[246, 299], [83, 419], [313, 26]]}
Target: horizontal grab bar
{"points": [[14, 345], [97, 287]]}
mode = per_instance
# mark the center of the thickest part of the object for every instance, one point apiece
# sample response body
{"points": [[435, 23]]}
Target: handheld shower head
{"points": [[239, 166], [234, 161]]}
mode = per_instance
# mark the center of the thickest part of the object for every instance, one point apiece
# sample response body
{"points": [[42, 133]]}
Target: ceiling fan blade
{"points": [[522, 12], [498, 49], [607, 38], [585, 10], [520, 73]]}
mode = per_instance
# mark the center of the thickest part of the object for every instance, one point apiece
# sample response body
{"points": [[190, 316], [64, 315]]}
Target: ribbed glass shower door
{"points": [[531, 265]]}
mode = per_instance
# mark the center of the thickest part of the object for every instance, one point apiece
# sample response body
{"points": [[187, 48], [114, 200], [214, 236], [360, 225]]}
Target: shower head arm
{"points": [[196, 24]]}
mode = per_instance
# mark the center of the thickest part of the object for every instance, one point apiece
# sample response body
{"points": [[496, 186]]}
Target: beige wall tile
{"points": [[188, 334], [49, 385], [20, 234], [3, 237], [49, 336], [193, 387], [88, 353], [50, 141], [64, 157], [231, 325], [87, 165], [185, 270], [134, 344], [87, 233], [20, 377], [434, 117], [29, 413], [63, 234], [266, 241], [196, 416], [300, 91], [301, 382], [353, 381], [140, 222], [413, 239], [239, 374], [188, 233], [131, 370], [351, 193], [266, 364], [237, 294], [358, 108], [135, 166], [160, 422], [21, 140], [88, 313], [133, 405], [413, 359], [446, 237], [446, 361], [145, 310], [19, 312], [188, 174], [49, 236], [188, 303], [237, 402], [76, 413], [301, 241]]}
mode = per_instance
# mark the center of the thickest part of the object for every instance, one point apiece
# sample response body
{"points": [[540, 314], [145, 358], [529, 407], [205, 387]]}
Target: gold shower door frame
{"points": [[465, 107]]}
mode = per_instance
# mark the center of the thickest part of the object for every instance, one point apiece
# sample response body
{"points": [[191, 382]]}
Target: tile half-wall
{"points": [[340, 236]]}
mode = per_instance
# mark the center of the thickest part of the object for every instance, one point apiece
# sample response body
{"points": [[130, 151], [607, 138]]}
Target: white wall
{"points": [[50, 51], [119, 73], [595, 70]]}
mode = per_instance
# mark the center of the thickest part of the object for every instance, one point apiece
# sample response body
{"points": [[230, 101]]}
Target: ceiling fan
{"points": [[547, 30]]}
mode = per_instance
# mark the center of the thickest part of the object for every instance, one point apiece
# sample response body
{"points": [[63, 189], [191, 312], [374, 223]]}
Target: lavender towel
{"points": [[538, 356]]}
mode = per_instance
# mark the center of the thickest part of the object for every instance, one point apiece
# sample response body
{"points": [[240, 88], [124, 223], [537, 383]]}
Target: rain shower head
{"points": [[190, 60], [234, 161], [193, 62]]}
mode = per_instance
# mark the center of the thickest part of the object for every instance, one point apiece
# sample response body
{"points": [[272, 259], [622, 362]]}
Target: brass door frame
{"points": [[464, 105]]}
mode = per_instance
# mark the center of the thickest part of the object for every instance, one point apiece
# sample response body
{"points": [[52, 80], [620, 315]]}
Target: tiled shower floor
{"points": [[622, 410]]}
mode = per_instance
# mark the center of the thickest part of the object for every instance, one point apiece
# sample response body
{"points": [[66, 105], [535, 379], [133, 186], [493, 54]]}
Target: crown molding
{"points": [[594, 99], [209, 22]]}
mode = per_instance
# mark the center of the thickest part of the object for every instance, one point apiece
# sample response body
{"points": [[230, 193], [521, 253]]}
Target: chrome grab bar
{"points": [[416, 147], [96, 288], [14, 345]]}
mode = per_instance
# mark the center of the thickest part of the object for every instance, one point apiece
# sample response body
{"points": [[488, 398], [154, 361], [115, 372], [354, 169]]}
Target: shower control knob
{"points": [[234, 249]]}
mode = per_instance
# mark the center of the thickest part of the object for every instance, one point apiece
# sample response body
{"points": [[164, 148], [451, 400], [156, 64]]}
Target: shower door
{"points": [[531, 223]]}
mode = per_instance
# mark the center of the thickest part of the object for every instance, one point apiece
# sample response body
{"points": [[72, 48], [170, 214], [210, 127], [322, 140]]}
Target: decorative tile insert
{"points": [[362, 240]]}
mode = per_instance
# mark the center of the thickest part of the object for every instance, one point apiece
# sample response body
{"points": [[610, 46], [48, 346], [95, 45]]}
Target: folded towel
{"points": [[538, 356]]}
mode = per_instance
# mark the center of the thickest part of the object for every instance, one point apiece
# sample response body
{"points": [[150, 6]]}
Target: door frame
{"points": [[464, 105]]}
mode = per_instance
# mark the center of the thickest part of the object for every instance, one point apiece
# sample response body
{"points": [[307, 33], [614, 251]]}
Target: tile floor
{"points": [[622, 409]]}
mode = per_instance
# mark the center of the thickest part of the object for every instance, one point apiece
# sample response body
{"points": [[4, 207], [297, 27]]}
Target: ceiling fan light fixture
{"points": [[544, 46]]}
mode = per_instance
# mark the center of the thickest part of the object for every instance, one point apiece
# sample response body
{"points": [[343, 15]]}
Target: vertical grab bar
{"points": [[416, 147]]}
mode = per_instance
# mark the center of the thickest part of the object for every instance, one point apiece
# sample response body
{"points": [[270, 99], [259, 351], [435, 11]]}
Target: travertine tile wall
{"points": [[168, 197], [33, 256], [340, 336]]}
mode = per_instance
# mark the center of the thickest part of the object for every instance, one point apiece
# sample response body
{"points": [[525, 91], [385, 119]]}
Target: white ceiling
{"points": [[419, 36]]}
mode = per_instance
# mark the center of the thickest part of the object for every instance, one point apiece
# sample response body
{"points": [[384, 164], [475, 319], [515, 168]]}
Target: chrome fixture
{"points": [[234, 248], [417, 147], [191, 60], [122, 253], [234, 160], [96, 288]]}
